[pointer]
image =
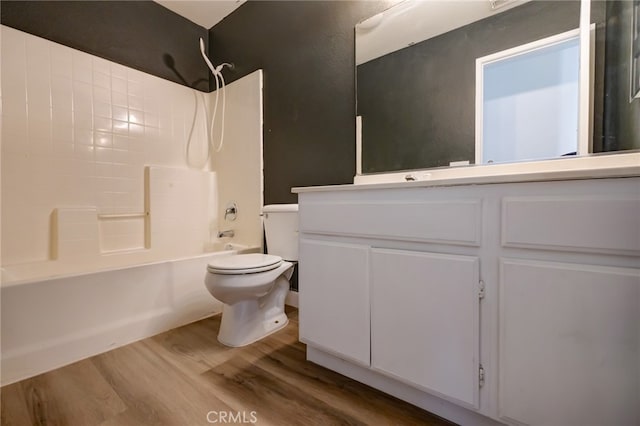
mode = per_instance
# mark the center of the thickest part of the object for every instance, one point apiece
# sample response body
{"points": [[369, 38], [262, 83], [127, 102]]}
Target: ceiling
{"points": [[205, 13]]}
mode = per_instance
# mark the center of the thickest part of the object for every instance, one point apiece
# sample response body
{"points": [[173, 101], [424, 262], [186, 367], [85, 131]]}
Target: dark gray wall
{"points": [[622, 114], [418, 104], [139, 34], [306, 50]]}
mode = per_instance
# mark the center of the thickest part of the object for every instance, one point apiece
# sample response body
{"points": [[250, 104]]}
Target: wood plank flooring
{"points": [[184, 375]]}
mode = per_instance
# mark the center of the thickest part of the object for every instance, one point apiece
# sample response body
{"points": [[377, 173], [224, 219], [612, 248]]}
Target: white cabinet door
{"points": [[569, 344], [425, 321], [334, 298]]}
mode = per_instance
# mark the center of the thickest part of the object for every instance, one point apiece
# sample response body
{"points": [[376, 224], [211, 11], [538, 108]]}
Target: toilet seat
{"points": [[244, 264]]}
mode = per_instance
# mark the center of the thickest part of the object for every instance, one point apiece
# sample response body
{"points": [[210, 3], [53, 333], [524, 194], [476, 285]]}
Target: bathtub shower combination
{"points": [[107, 225]]}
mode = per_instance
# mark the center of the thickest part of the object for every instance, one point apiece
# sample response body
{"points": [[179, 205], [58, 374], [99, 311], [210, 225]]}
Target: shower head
{"points": [[215, 70], [206, 59]]}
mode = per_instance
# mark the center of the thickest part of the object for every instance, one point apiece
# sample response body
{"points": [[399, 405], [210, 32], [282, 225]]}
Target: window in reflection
{"points": [[527, 101]]}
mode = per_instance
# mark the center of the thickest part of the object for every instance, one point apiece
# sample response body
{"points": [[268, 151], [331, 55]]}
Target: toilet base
{"points": [[250, 320], [267, 327]]}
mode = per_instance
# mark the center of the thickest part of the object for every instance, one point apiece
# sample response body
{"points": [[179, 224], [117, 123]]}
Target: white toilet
{"points": [[253, 287]]}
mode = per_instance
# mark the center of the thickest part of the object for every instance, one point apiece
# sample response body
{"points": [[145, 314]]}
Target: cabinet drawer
{"points": [[601, 225], [455, 222]]}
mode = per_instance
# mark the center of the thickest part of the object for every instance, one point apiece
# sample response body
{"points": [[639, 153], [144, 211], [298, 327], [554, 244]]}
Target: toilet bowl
{"points": [[253, 287]]}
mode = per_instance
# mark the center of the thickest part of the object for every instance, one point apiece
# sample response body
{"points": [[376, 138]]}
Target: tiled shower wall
{"points": [[77, 131]]}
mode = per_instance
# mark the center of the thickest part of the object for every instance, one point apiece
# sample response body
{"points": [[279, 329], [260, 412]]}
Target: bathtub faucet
{"points": [[229, 233]]}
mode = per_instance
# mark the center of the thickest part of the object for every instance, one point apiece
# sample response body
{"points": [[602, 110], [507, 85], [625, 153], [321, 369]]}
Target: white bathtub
{"points": [[50, 322]]}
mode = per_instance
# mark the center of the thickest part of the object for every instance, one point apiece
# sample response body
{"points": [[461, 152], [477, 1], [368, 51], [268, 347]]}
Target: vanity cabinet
{"points": [[514, 303], [380, 289]]}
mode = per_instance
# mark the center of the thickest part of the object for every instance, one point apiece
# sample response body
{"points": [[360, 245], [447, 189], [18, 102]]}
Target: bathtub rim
{"points": [[240, 249]]}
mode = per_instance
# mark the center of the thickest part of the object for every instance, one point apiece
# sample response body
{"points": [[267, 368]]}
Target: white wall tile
{"points": [[61, 62], [101, 94], [14, 130], [61, 92], [101, 65], [103, 155], [119, 85], [40, 127], [62, 117], [40, 148], [134, 88], [84, 153], [38, 97], [120, 113], [102, 109], [136, 130], [135, 102], [118, 70], [83, 136], [14, 45], [119, 99], [82, 67], [102, 124], [82, 118], [14, 100], [101, 80], [136, 116], [63, 150], [82, 96], [135, 76]]}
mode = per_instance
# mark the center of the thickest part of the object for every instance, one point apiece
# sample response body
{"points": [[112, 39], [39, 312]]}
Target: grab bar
{"points": [[122, 215]]}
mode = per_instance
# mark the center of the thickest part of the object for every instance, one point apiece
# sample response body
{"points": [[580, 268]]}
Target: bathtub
{"points": [[51, 321]]}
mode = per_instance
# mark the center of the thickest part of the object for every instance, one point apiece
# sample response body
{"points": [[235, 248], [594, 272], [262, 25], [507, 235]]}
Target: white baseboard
{"points": [[292, 299]]}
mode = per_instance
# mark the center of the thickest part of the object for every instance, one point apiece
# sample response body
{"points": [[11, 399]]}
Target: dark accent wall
{"points": [[139, 34], [418, 104], [622, 113], [306, 50]]}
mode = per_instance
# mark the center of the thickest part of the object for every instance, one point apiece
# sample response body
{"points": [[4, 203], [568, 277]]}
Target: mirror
{"points": [[416, 72]]}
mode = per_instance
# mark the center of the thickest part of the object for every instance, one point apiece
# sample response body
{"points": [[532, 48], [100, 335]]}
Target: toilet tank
{"points": [[281, 230]]}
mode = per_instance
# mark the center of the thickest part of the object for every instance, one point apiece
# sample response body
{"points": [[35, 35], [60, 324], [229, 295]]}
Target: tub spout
{"points": [[229, 233]]}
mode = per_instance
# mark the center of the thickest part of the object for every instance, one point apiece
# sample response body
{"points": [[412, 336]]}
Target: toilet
{"points": [[253, 286]]}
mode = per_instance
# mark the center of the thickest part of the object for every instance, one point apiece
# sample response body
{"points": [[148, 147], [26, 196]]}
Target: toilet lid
{"points": [[244, 263]]}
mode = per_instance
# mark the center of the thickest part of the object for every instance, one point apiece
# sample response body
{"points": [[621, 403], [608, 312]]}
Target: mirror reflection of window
{"points": [[528, 101]]}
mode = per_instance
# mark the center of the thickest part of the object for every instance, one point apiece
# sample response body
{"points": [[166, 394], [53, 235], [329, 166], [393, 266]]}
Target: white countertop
{"points": [[597, 166]]}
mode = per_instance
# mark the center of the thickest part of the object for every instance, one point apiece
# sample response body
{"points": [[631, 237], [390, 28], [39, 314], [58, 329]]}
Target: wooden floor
{"points": [[184, 375]]}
